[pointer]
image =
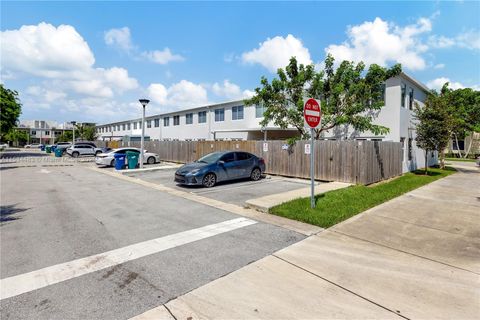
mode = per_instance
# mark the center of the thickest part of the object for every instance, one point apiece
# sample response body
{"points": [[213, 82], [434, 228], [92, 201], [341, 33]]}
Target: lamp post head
{"points": [[144, 102]]}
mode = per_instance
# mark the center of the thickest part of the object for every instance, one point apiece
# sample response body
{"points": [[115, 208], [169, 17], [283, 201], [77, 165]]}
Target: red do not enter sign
{"points": [[312, 113]]}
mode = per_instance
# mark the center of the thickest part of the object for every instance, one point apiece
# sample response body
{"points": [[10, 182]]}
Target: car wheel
{"points": [[112, 163], [151, 160], [256, 174], [75, 154], [209, 180]]}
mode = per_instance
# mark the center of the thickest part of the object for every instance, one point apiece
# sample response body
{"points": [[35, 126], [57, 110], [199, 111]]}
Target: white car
{"points": [[108, 159], [33, 146]]}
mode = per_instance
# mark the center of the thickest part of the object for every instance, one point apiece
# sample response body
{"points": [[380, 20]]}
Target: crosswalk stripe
{"points": [[19, 284]]}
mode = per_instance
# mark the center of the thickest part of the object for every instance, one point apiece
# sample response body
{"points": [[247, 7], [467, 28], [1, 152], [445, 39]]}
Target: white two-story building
{"points": [[235, 121]]}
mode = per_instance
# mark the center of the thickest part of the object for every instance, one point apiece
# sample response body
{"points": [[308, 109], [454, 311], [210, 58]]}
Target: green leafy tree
{"points": [[10, 110], [463, 106], [66, 136], [432, 128], [348, 96], [17, 137], [86, 132]]}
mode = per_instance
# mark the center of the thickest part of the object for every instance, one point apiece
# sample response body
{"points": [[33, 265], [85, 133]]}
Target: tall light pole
{"points": [[73, 124], [144, 103]]}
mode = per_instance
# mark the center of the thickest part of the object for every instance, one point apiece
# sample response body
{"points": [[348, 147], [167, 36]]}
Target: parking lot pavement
{"points": [[79, 244], [234, 192]]}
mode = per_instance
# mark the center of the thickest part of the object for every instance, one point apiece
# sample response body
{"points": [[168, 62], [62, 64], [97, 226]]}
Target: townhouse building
{"points": [[234, 120], [44, 131]]}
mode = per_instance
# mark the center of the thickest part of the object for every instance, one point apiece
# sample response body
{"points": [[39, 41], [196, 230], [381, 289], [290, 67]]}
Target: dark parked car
{"points": [[221, 166]]}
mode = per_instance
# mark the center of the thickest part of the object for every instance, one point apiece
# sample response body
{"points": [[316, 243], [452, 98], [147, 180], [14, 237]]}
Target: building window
{"points": [[410, 99], [403, 95], [176, 120], [47, 133], [139, 124], [157, 123], [34, 133], [410, 153], [202, 117], [189, 118], [259, 110], [149, 123], [134, 126], [166, 121], [219, 115], [402, 141], [123, 127], [237, 113]]}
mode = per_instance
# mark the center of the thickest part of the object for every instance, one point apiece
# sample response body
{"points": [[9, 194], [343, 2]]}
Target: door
{"points": [[229, 167], [244, 164]]}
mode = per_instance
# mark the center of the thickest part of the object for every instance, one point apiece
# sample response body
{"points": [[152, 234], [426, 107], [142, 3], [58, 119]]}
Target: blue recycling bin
{"points": [[53, 148], [42, 147], [119, 161], [58, 152]]}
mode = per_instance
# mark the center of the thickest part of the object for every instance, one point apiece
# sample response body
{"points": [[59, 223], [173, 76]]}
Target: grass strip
{"points": [[338, 205]]}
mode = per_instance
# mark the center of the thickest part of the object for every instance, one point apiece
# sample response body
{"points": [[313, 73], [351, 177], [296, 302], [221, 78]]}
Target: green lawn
{"points": [[336, 206], [460, 159]]}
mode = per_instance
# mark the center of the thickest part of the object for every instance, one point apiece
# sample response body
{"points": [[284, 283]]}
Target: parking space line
{"points": [[19, 284], [232, 187], [297, 226]]}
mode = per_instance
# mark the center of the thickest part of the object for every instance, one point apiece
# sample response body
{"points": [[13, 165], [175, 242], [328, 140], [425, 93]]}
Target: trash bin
{"points": [[48, 149], [58, 152], [53, 148], [132, 159], [42, 147], [119, 161]]}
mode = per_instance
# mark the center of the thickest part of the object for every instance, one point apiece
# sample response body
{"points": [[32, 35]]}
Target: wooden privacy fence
{"points": [[361, 162]]}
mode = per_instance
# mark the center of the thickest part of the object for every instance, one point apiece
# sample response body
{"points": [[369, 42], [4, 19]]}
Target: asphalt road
{"points": [[57, 214], [236, 192]]}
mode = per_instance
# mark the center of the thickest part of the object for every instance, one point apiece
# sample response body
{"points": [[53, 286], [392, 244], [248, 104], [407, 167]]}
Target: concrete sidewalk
{"points": [[417, 256], [264, 204]]}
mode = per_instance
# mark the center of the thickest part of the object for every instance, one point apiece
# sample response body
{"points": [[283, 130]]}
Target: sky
{"points": [[91, 61]]}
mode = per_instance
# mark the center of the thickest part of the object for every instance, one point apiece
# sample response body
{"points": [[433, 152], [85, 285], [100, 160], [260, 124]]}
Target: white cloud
{"points": [[162, 57], [275, 53], [469, 40], [183, 94], [382, 42], [45, 51], [438, 83], [62, 56], [439, 66], [119, 38], [230, 90]]}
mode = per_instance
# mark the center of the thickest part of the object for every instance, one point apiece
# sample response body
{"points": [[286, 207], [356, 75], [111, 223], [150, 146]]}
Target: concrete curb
{"points": [[265, 204]]}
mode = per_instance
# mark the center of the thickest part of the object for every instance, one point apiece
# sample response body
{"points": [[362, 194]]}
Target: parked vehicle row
{"points": [[221, 166], [108, 158]]}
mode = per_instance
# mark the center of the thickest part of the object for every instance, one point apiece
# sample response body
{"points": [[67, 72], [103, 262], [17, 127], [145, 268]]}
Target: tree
{"points": [[348, 98], [17, 136], [66, 136], [464, 109], [86, 132], [432, 127], [10, 110]]}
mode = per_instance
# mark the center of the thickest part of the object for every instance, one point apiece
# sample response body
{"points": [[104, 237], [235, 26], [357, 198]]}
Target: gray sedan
{"points": [[221, 166]]}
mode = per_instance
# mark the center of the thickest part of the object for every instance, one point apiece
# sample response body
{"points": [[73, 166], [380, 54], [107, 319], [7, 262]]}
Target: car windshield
{"points": [[211, 157]]}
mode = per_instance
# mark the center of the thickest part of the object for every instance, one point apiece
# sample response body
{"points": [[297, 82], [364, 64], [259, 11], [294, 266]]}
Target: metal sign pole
{"points": [[312, 169]]}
